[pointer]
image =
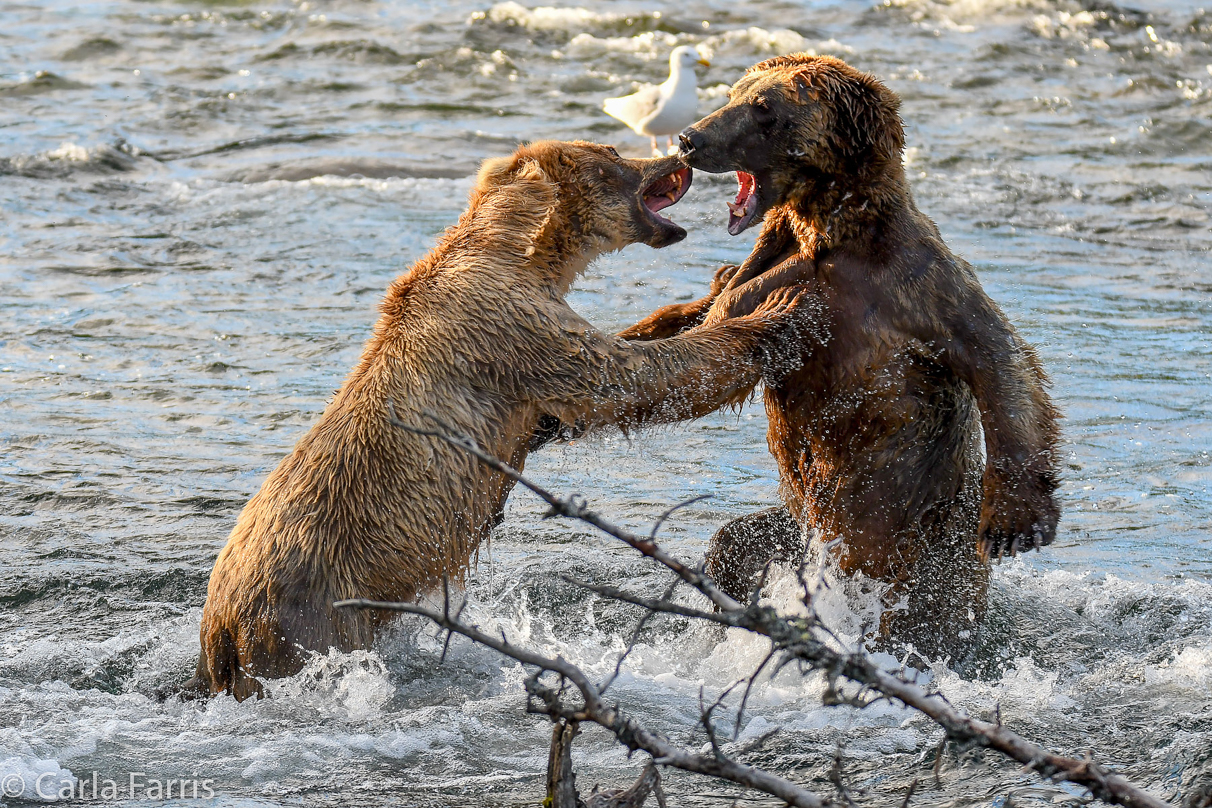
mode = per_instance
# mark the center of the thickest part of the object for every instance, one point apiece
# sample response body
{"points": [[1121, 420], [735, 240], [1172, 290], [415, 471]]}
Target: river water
{"points": [[203, 202]]}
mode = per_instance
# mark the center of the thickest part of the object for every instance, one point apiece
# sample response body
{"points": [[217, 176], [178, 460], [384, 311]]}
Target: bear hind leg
{"points": [[741, 550]]}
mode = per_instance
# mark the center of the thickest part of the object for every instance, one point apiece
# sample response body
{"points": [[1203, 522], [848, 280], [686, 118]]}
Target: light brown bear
{"points": [[878, 434], [477, 333]]}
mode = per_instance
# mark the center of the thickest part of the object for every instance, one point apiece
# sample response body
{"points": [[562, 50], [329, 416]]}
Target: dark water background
{"points": [[203, 201]]}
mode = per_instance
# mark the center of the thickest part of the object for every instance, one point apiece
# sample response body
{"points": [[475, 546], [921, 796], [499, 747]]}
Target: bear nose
{"points": [[690, 141]]}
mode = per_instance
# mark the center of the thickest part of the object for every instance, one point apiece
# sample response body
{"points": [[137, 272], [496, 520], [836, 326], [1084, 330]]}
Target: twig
{"points": [[756, 743], [740, 711], [705, 714], [660, 605], [635, 635], [835, 777], [668, 512], [648, 782], [795, 637], [628, 730]]}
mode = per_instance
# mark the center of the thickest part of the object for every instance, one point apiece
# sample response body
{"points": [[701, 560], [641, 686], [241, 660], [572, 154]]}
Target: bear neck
{"points": [[829, 211], [560, 255]]}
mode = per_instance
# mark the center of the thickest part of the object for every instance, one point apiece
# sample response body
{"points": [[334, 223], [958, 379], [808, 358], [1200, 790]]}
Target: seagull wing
{"points": [[633, 109]]}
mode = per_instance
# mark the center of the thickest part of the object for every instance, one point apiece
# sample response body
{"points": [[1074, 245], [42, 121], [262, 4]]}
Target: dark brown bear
{"points": [[878, 435]]}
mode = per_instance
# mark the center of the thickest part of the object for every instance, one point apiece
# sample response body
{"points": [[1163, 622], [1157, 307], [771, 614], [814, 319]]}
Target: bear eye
{"points": [[611, 173], [612, 150]]}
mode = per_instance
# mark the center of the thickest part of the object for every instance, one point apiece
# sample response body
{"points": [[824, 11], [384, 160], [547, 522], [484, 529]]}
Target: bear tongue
{"points": [[742, 210], [655, 203]]}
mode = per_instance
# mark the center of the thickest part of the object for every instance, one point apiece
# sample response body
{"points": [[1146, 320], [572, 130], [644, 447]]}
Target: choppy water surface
{"points": [[203, 201]]}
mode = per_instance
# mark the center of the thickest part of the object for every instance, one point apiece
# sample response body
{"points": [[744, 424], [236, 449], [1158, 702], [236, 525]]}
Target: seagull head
{"points": [[686, 57]]}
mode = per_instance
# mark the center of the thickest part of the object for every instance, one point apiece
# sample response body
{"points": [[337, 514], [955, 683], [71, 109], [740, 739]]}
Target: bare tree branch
{"points": [[836, 776], [648, 782], [628, 730], [740, 711], [561, 784], [794, 636], [639, 626], [668, 512], [574, 508], [661, 605]]}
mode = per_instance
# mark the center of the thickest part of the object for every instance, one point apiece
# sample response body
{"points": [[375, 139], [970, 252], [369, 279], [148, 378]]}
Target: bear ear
{"points": [[868, 123], [802, 89], [496, 171], [529, 171]]}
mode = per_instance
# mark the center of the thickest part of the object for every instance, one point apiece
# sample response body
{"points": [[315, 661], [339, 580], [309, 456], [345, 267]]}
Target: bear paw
{"points": [[1018, 514]]}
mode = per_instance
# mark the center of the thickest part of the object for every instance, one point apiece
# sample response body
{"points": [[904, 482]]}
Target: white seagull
{"points": [[666, 109]]}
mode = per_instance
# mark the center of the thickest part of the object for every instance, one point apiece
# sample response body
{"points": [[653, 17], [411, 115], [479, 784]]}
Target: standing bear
{"points": [[476, 338], [878, 434]]}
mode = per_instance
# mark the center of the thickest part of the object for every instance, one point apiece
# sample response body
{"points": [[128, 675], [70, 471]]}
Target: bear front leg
{"points": [[738, 300], [776, 244], [1020, 510], [667, 321], [597, 380]]}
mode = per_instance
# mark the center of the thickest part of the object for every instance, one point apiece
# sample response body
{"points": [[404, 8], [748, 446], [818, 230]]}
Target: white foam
{"points": [[1189, 669], [345, 708], [649, 44], [351, 686], [552, 18], [758, 41], [746, 43], [70, 152], [400, 189], [27, 776], [965, 14]]}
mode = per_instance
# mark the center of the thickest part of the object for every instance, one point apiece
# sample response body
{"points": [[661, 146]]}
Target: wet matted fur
{"points": [[878, 435], [478, 333]]}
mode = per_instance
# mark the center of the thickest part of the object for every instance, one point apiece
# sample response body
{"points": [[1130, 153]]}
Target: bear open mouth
{"points": [[665, 192], [742, 211]]}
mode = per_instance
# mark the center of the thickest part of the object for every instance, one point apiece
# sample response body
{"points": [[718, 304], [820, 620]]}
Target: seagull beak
{"points": [[704, 63]]}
